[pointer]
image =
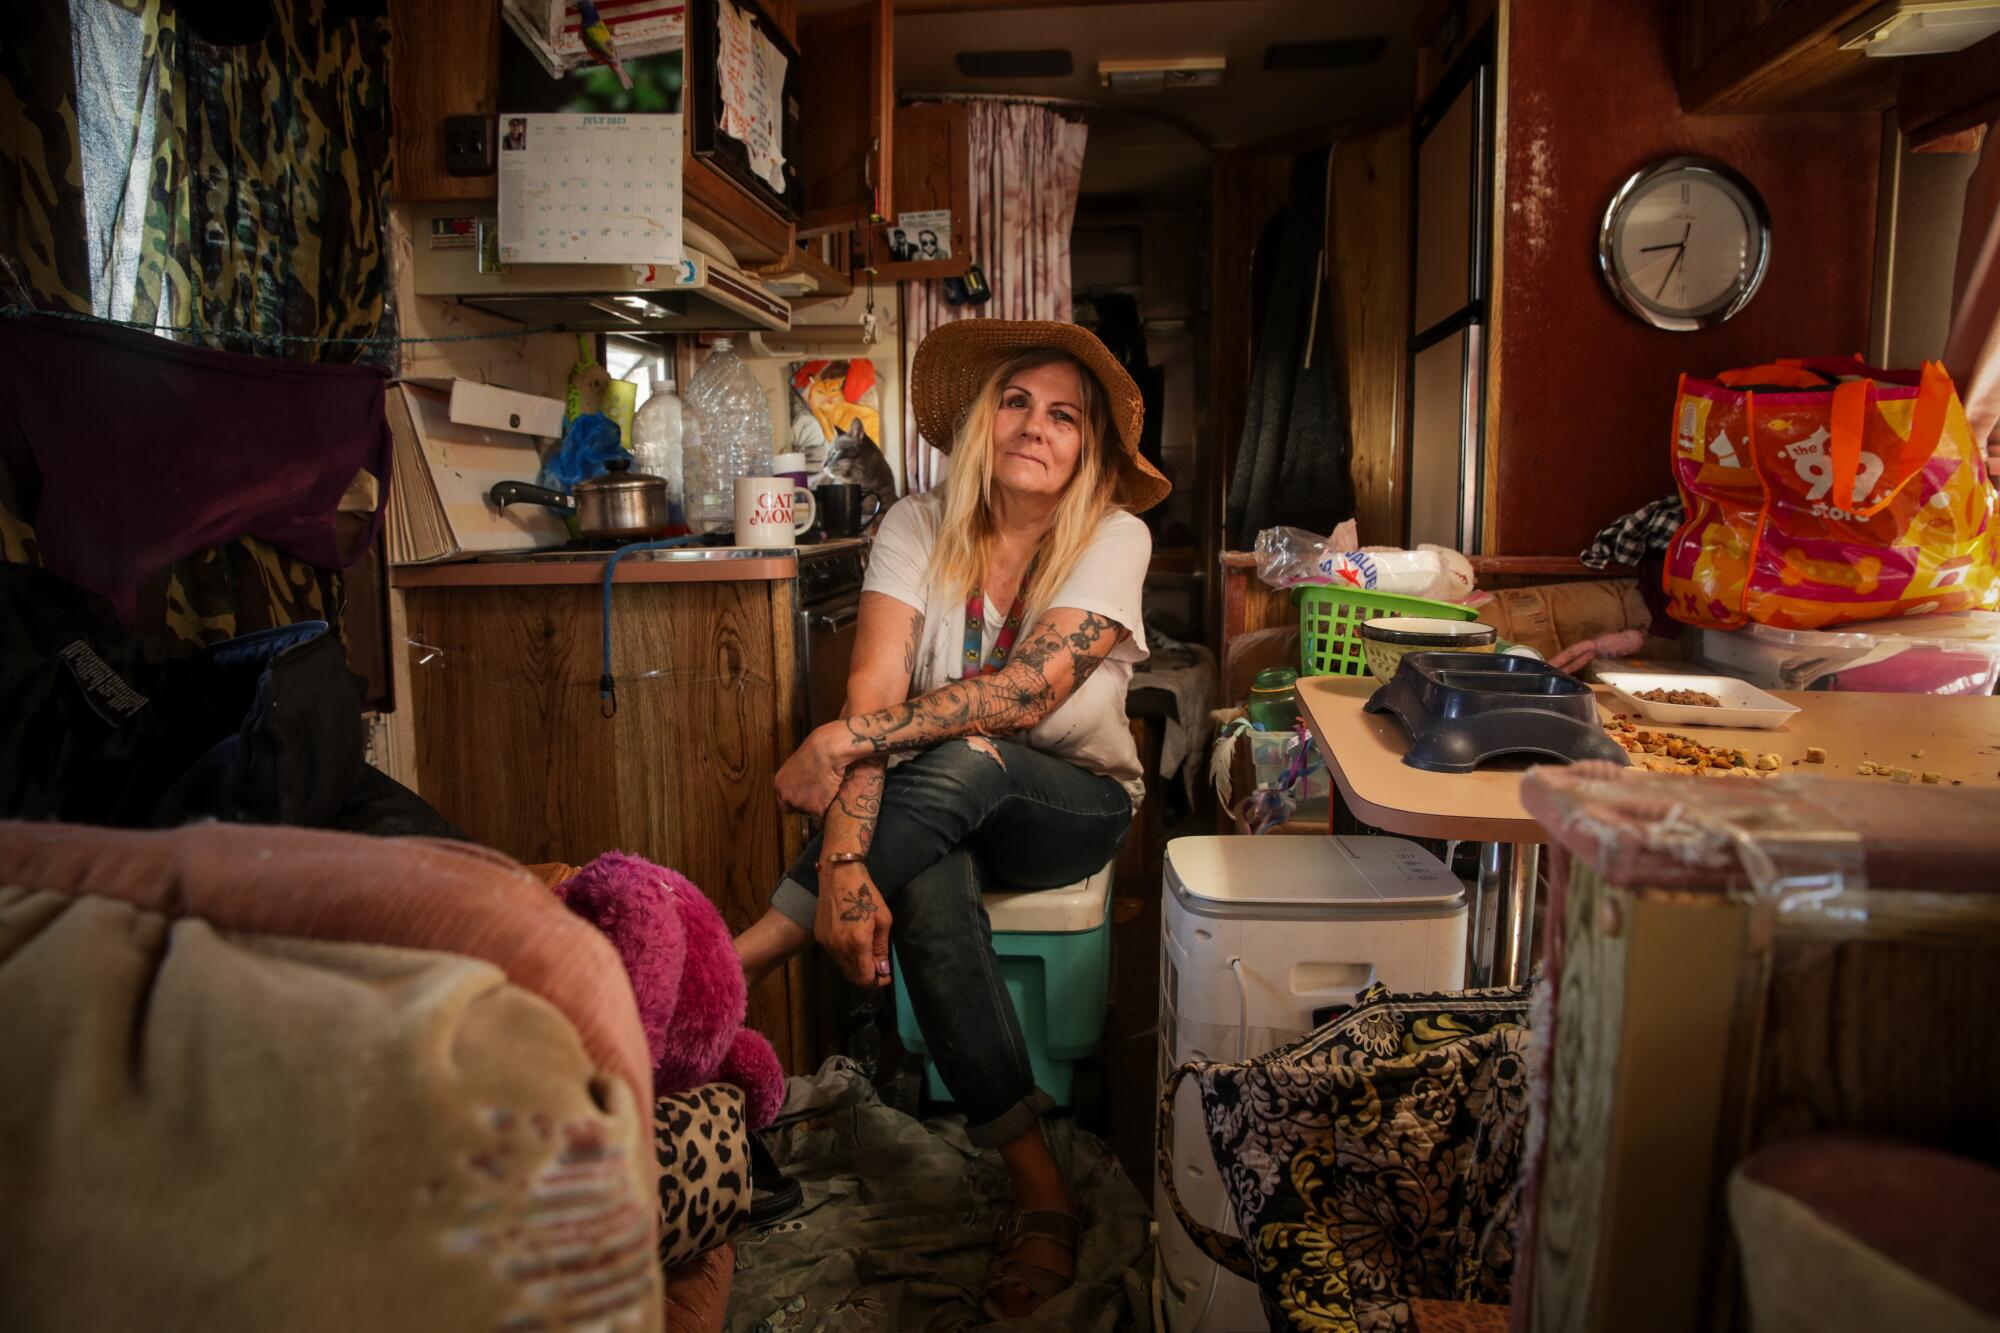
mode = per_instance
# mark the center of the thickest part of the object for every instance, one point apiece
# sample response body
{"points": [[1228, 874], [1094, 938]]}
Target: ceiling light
{"points": [[1153, 76], [1921, 27]]}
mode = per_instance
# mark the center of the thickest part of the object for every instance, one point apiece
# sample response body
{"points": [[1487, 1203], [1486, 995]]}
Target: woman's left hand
{"points": [[811, 778]]}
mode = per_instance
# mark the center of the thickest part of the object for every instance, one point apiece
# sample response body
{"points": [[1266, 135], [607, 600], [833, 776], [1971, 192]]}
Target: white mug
{"points": [[772, 511]]}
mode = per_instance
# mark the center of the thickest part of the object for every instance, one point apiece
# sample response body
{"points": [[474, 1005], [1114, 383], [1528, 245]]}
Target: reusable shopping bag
{"points": [[1825, 492]]}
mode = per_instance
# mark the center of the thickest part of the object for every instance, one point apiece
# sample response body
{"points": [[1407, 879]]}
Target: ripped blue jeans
{"points": [[957, 821]]}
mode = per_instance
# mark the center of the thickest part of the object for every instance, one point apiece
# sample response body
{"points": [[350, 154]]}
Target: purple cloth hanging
{"points": [[132, 452]]}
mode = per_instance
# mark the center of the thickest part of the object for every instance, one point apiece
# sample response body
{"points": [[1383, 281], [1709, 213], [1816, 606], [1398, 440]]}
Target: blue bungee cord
{"points": [[607, 686]]}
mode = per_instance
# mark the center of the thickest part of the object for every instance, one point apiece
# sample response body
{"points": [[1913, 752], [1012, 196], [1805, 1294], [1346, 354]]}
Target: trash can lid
{"points": [[1327, 875]]}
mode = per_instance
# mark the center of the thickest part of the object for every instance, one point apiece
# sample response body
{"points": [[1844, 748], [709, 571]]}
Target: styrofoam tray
{"points": [[1743, 704]]}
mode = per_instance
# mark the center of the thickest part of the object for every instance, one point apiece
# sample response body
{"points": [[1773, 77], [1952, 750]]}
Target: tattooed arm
{"points": [[1062, 651], [886, 639], [852, 922]]}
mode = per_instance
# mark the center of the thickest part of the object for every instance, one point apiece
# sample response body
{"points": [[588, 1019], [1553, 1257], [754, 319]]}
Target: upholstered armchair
{"points": [[275, 1077]]}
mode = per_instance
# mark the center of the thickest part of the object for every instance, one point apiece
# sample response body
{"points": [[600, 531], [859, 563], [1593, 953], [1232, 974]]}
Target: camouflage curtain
{"points": [[266, 175]]}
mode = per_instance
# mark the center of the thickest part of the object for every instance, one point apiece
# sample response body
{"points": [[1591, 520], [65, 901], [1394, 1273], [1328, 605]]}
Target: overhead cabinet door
{"points": [[847, 96]]}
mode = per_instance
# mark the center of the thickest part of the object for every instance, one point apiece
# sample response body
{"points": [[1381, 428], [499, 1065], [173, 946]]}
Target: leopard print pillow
{"points": [[703, 1145]]}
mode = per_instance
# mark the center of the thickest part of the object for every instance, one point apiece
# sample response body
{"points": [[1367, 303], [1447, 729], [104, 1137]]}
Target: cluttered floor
{"points": [[899, 1218], [900, 1211]]}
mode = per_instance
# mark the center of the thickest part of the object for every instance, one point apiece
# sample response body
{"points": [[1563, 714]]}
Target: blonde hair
{"points": [[968, 531]]}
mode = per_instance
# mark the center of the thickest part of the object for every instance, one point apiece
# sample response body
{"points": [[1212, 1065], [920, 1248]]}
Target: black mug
{"points": [[845, 509]]}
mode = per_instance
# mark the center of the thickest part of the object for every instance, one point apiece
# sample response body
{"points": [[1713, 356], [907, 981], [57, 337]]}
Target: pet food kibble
{"points": [[1769, 762], [1815, 755], [1934, 778], [1901, 775], [1865, 769], [1684, 698], [1670, 752]]}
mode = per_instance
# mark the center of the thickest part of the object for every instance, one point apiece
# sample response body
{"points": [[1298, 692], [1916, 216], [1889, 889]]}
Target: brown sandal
{"points": [[1041, 1282]]}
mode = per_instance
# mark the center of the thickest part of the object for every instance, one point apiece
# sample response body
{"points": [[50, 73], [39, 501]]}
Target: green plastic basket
{"points": [[1330, 621]]}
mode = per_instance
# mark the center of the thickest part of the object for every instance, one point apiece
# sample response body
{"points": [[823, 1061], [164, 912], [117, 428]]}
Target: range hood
{"points": [[704, 291]]}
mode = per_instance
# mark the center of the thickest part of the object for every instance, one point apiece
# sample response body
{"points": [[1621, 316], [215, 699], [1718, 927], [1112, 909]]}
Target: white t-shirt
{"points": [[1089, 730]]}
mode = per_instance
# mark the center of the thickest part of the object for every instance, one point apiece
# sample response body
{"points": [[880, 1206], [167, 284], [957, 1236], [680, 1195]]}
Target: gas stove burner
{"points": [[604, 544]]}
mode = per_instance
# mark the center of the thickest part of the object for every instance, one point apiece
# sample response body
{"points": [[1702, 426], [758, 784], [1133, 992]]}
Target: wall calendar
{"points": [[590, 189]]}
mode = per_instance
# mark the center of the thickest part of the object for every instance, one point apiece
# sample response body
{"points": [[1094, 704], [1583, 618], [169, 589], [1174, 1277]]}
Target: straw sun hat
{"points": [[955, 360]]}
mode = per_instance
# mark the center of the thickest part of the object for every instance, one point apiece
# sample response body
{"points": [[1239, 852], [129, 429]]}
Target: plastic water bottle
{"points": [[665, 433], [736, 438]]}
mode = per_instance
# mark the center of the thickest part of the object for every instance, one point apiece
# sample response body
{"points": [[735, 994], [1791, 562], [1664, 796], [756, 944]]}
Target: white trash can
{"points": [[1258, 938]]}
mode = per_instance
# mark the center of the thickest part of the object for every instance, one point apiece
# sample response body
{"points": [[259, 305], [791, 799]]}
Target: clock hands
{"points": [[1680, 253]]}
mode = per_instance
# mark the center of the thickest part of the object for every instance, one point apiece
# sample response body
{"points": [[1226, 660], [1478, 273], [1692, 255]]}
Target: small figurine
{"points": [[597, 41]]}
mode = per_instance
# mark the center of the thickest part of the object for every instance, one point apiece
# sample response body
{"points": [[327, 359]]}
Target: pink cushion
{"points": [[412, 892]]}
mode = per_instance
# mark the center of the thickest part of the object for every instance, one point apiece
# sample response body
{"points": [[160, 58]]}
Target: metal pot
{"points": [[619, 503]]}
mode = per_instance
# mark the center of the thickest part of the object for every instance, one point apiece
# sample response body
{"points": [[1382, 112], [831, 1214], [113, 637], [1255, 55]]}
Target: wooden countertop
{"points": [[1959, 737]]}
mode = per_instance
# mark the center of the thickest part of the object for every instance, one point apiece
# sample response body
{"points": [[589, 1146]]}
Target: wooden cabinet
{"points": [[847, 93], [512, 746], [1742, 56], [933, 171], [445, 61], [743, 220]]}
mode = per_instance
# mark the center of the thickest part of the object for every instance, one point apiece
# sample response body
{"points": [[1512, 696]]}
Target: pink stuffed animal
{"points": [[685, 976]]}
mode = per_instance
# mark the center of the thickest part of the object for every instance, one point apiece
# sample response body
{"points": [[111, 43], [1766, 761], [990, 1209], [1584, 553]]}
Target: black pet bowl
{"points": [[1463, 709]]}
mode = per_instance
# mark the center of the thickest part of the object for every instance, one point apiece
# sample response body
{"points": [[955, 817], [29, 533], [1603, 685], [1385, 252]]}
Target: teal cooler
{"points": [[1054, 947]]}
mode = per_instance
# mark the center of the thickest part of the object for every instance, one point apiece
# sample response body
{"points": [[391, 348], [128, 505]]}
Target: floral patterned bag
{"points": [[1371, 1161]]}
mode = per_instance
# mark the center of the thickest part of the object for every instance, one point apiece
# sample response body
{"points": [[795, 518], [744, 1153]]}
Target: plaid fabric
{"points": [[1632, 538]]}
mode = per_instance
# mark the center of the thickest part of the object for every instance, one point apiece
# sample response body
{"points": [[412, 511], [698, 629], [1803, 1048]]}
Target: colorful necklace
{"points": [[1010, 629]]}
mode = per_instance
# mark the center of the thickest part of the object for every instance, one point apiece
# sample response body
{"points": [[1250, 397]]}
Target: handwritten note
{"points": [[584, 189], [750, 72]]}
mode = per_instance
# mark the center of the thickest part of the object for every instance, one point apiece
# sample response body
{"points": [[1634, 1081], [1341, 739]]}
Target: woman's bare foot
{"points": [[1038, 1258], [769, 943]]}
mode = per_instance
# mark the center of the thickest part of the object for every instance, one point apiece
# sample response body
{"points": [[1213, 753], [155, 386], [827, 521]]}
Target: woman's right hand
{"points": [[852, 923], [809, 780]]}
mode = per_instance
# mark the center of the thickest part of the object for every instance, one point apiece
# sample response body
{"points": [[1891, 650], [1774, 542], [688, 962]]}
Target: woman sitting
{"points": [[984, 743]]}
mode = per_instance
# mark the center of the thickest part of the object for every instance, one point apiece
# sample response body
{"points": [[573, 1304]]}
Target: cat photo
{"points": [[837, 424], [855, 458]]}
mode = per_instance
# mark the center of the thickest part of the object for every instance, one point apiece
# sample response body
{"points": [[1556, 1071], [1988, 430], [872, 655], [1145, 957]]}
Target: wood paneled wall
{"points": [[1584, 391], [1368, 250]]}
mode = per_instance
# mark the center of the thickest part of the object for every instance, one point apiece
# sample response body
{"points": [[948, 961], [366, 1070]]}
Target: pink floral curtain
{"points": [[1026, 164]]}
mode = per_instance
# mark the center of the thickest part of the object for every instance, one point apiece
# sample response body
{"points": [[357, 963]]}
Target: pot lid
{"points": [[619, 476]]}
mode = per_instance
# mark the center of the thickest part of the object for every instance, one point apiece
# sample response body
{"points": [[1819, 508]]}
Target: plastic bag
{"points": [[1288, 557], [1827, 492], [1436, 572], [591, 441]]}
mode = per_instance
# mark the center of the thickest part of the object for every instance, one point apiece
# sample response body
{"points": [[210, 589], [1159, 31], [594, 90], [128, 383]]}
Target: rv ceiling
{"points": [[1149, 143]]}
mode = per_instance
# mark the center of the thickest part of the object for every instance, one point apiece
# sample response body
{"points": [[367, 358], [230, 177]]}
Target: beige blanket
{"points": [[224, 1104]]}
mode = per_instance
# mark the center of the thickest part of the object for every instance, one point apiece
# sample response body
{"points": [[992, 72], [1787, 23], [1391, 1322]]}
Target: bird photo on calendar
{"points": [[596, 34]]}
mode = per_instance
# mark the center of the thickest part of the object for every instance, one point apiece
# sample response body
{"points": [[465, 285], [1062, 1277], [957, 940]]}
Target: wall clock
{"points": [[1684, 243]]}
